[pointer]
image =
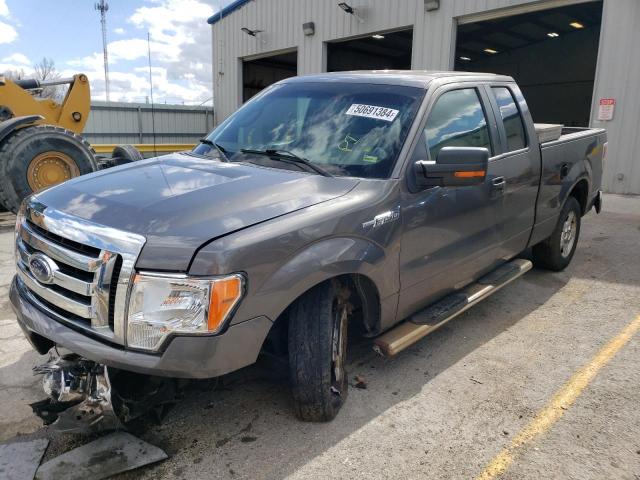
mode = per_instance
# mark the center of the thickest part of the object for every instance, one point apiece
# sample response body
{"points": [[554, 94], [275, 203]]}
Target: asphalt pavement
{"points": [[542, 381]]}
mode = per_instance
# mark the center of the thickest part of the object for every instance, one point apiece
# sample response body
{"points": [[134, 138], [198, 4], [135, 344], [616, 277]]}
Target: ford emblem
{"points": [[42, 268]]}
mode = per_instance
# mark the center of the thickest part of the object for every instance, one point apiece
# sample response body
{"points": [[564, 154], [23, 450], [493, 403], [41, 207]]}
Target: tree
{"points": [[45, 70], [14, 74]]}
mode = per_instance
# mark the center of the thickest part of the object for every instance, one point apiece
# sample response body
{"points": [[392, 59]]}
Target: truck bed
{"points": [[568, 134], [575, 155]]}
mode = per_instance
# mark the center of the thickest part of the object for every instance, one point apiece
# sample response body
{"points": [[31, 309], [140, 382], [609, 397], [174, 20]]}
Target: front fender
{"points": [[321, 261], [9, 126]]}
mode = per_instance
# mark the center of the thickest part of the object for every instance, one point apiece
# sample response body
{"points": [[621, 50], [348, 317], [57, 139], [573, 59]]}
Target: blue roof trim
{"points": [[232, 7]]}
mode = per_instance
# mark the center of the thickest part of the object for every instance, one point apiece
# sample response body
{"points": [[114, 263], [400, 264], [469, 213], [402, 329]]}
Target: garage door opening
{"points": [[378, 51], [552, 54], [260, 73]]}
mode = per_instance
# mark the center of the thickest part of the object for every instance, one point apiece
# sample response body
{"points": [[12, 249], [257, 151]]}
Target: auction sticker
{"points": [[372, 111]]}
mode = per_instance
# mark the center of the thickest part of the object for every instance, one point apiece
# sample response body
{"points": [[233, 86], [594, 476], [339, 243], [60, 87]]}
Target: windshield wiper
{"points": [[287, 156], [221, 150]]}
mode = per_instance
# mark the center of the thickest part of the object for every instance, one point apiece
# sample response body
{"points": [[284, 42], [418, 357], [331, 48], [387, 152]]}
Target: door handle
{"points": [[497, 187], [564, 170]]}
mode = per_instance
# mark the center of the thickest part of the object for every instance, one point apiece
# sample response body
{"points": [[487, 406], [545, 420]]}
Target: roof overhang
{"points": [[232, 7]]}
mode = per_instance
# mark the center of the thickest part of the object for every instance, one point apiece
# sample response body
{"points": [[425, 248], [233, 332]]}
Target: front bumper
{"points": [[184, 357]]}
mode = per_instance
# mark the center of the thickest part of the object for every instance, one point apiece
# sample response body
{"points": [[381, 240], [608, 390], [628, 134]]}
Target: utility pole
{"points": [[103, 7]]}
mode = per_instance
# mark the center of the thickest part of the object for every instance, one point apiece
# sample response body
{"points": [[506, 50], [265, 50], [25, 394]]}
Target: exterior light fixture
{"points": [[431, 5], [253, 33], [490, 51], [350, 10], [377, 36], [553, 34], [465, 59], [577, 25], [309, 28]]}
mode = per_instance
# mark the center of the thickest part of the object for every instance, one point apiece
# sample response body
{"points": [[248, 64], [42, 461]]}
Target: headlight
{"points": [[161, 305]]}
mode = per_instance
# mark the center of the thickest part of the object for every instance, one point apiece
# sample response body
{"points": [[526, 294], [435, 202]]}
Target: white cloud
{"points": [[180, 55], [7, 33], [17, 63], [119, 31], [18, 59]]}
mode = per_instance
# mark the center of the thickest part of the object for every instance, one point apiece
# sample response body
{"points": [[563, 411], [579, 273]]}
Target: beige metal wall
{"points": [[123, 123], [618, 73]]}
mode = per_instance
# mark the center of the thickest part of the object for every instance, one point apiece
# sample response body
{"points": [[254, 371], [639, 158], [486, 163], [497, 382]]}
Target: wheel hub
{"points": [[339, 344], [50, 168], [568, 235]]}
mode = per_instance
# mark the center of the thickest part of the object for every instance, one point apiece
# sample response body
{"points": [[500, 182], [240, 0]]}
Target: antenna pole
{"points": [[153, 113], [103, 7]]}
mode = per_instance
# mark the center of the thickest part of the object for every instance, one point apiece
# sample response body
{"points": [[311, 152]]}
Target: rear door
{"points": [[450, 234], [516, 168]]}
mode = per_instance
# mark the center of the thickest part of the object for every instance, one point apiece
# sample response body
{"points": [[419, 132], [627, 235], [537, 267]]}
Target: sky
{"points": [[69, 33]]}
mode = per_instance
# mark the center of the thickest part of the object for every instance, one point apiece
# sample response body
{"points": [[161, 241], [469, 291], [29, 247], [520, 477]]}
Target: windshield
{"points": [[347, 129]]}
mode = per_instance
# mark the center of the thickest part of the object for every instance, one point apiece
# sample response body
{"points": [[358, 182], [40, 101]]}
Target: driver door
{"points": [[450, 234]]}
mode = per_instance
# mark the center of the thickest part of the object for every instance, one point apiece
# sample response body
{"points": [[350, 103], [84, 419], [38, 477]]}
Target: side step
{"points": [[434, 316]]}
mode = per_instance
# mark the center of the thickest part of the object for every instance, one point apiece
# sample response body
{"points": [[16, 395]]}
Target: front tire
{"points": [[37, 157], [555, 253], [317, 353]]}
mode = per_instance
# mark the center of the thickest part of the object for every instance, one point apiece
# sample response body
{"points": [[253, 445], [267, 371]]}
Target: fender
{"points": [[568, 187], [581, 170], [321, 261], [9, 126]]}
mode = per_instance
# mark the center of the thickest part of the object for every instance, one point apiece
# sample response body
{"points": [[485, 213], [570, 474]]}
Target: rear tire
{"points": [[317, 353], [37, 157], [555, 253], [126, 154]]}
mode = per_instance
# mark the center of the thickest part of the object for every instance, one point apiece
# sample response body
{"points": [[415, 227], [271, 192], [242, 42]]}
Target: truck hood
{"points": [[180, 202]]}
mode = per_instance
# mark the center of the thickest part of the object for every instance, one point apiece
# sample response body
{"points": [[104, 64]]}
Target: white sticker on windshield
{"points": [[372, 111]]}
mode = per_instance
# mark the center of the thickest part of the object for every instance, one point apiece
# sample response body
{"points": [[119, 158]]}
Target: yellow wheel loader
{"points": [[40, 142]]}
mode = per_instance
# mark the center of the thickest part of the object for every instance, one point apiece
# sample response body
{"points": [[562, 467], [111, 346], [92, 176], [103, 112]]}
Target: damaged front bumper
{"points": [[87, 397], [79, 395], [184, 357]]}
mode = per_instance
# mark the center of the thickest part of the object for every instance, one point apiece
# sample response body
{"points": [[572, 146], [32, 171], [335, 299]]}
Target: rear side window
{"points": [[457, 120], [513, 124]]}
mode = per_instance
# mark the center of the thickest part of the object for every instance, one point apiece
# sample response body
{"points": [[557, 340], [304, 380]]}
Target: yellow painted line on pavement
{"points": [[562, 400]]}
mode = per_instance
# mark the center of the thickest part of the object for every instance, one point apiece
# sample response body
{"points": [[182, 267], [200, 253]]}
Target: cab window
{"points": [[457, 120], [511, 117]]}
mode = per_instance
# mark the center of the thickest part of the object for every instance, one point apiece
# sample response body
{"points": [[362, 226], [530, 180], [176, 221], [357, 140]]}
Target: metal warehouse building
{"points": [[577, 61]]}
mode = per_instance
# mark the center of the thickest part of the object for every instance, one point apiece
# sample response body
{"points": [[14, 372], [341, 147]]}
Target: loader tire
{"points": [[555, 253], [38, 157], [317, 353], [126, 154]]}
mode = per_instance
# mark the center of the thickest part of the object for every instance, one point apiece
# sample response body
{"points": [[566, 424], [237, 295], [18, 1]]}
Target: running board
{"points": [[434, 316]]}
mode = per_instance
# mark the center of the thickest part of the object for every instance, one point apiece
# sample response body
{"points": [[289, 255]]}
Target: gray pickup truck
{"points": [[377, 203]]}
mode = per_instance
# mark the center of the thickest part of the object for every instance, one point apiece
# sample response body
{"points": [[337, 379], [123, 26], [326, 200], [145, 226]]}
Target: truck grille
{"points": [[76, 271]]}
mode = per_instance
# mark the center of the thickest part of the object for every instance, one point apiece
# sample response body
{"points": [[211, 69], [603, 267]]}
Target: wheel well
{"points": [[581, 192], [364, 300]]}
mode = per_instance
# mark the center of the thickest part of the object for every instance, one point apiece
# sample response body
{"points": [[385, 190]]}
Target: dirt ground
{"points": [[442, 409]]}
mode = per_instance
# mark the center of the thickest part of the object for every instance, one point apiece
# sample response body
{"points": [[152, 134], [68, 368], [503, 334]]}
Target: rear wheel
{"points": [[555, 253], [317, 353], [126, 154], [38, 157]]}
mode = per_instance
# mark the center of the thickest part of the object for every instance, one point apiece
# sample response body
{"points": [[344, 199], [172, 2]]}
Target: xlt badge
{"points": [[383, 218]]}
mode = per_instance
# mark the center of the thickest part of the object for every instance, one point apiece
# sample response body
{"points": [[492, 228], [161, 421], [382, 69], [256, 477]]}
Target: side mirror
{"points": [[454, 167]]}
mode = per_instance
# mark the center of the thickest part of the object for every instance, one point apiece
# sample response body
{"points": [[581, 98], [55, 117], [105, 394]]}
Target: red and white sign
{"points": [[606, 109]]}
